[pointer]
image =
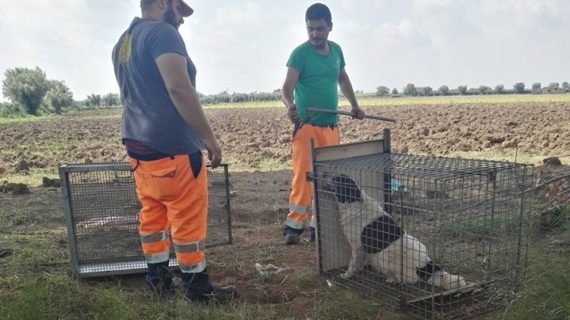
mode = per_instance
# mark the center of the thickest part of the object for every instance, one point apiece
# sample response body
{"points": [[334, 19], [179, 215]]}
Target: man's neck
{"points": [[153, 15], [323, 49]]}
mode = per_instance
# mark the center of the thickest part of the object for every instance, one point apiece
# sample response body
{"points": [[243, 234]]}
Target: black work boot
{"points": [[159, 279], [198, 288], [291, 235], [312, 234]]}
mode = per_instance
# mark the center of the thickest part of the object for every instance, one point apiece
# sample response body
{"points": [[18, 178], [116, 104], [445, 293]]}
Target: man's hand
{"points": [[292, 113], [214, 152], [357, 113]]}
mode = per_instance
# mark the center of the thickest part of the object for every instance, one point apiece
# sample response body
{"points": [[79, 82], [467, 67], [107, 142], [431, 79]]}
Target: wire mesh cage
{"points": [[101, 212], [438, 238]]}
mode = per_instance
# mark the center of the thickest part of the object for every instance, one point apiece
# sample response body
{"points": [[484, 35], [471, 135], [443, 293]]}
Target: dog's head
{"points": [[346, 189]]}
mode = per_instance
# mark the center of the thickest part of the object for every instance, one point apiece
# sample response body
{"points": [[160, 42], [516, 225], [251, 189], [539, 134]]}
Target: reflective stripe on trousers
{"points": [[300, 199], [174, 201]]}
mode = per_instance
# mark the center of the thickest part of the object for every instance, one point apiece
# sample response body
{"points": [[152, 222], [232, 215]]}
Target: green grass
{"points": [[370, 100], [547, 291], [443, 100], [344, 304], [363, 100], [27, 118]]}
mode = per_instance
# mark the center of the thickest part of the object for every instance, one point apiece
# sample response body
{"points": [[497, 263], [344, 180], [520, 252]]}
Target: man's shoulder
{"points": [[303, 47], [334, 45], [153, 26]]}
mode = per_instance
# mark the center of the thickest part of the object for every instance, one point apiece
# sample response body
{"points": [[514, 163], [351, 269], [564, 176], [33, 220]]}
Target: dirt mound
{"points": [[15, 188]]}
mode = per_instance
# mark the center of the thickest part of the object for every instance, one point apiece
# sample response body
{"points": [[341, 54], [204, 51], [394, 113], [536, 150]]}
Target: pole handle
{"points": [[346, 113]]}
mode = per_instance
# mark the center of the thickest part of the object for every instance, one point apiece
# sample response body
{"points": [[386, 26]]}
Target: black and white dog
{"points": [[374, 237]]}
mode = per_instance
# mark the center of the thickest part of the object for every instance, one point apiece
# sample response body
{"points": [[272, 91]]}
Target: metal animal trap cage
{"points": [[101, 213], [468, 217]]}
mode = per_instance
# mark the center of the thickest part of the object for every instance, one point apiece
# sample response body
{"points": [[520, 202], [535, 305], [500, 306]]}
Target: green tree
{"points": [[410, 90], [395, 91], [499, 89], [443, 90], [57, 97], [425, 91], [519, 87], [565, 85], [554, 86], [462, 90], [93, 100], [111, 99], [483, 89], [25, 87], [382, 91]]}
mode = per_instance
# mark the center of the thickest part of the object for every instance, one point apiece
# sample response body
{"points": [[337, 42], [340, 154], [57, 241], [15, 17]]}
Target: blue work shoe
{"points": [[312, 234]]}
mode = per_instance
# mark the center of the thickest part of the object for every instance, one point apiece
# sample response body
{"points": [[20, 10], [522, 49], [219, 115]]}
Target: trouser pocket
{"points": [[196, 162]]}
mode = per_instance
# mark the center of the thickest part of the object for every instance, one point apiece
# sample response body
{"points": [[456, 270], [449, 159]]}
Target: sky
{"points": [[242, 46]]}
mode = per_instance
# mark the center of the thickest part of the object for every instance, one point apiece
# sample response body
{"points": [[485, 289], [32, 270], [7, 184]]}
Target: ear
{"points": [[162, 4], [330, 27]]}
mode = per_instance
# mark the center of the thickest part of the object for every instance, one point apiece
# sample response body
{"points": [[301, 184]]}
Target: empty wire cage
{"points": [[101, 212], [436, 237]]}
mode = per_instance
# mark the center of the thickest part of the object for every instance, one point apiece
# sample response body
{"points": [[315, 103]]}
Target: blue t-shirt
{"points": [[149, 116]]}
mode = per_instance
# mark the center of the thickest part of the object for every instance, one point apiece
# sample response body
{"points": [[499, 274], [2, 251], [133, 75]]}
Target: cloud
{"points": [[69, 39], [243, 45], [423, 5]]}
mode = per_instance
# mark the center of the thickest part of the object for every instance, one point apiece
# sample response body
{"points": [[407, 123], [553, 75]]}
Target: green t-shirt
{"points": [[318, 81]]}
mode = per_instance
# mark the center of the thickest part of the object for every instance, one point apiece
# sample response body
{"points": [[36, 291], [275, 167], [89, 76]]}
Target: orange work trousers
{"points": [[300, 199], [174, 205]]}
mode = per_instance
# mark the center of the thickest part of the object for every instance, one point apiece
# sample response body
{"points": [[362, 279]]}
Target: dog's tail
{"points": [[434, 275]]}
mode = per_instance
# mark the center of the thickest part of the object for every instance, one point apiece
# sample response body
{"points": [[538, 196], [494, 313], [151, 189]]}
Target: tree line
{"points": [[518, 88], [29, 91]]}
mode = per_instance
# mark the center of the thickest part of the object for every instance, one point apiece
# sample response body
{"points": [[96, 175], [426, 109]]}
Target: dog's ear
{"points": [[347, 190]]}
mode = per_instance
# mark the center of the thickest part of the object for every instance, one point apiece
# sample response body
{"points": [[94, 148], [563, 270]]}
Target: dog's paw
{"points": [[451, 282], [457, 282], [391, 280]]}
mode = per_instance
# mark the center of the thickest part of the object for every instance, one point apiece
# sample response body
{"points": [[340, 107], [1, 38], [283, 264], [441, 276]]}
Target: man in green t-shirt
{"points": [[314, 72]]}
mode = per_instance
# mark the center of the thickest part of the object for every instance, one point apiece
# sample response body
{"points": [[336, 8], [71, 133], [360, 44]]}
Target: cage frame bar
{"points": [[78, 270]]}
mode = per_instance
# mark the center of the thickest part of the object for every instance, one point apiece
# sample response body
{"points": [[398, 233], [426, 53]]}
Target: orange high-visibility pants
{"points": [[174, 205], [300, 199]]}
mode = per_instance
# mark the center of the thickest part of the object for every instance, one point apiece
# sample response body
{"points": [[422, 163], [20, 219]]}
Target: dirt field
{"points": [[256, 139]]}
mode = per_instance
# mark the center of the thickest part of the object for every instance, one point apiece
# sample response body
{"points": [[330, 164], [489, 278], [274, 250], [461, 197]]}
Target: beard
{"points": [[170, 16], [318, 43]]}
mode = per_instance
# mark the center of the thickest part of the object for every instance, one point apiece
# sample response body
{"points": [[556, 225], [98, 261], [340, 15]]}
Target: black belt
{"points": [[298, 126], [324, 125], [195, 159], [148, 156]]}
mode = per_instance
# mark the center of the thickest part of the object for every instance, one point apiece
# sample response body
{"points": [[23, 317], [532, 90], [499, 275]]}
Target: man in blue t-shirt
{"points": [[164, 130], [315, 70]]}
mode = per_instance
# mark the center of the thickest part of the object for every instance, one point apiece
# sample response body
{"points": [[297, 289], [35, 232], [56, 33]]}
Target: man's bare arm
{"points": [[287, 93], [347, 90], [173, 69]]}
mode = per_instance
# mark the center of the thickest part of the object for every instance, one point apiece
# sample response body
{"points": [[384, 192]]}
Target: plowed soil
{"points": [[249, 136]]}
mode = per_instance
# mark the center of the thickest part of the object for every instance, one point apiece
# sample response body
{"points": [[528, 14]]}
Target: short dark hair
{"points": [[145, 4], [319, 11]]}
